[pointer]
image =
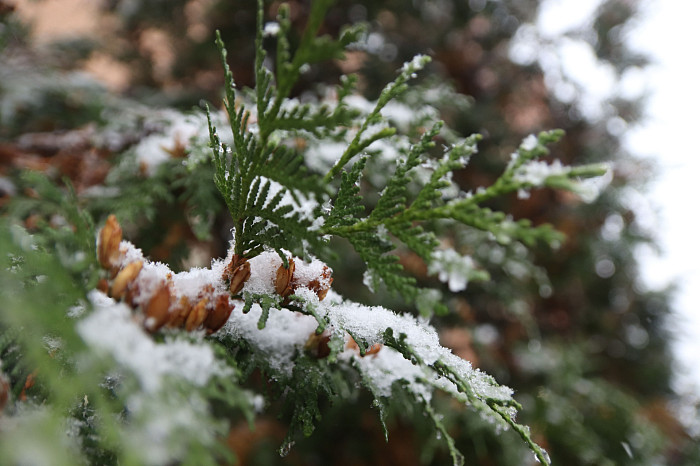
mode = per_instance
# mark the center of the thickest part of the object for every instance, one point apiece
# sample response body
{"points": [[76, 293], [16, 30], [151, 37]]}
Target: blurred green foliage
{"points": [[586, 349]]}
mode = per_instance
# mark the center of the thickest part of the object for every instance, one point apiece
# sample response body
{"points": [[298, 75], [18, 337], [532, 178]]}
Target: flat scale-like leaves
{"points": [[277, 203]]}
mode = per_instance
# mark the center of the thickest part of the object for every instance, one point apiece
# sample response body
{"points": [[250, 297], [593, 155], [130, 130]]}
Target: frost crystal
{"points": [[536, 172], [271, 29], [452, 268], [589, 189], [417, 63], [529, 143]]}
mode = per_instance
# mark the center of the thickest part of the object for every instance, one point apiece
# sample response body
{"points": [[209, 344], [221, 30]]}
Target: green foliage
{"points": [[64, 100], [504, 408], [277, 201], [402, 218], [262, 221], [64, 228], [245, 172], [612, 411], [391, 91], [265, 301], [46, 335], [41, 342], [319, 383], [258, 220]]}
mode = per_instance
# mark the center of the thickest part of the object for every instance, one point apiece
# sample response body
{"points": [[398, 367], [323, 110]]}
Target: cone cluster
{"points": [[285, 280], [157, 301], [209, 310]]}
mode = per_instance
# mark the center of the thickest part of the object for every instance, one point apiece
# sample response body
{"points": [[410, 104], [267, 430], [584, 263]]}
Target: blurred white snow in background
{"points": [[668, 32], [665, 31]]}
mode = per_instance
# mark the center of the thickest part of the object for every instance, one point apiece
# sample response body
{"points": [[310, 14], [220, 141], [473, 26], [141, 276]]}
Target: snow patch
{"points": [[110, 329], [452, 268]]}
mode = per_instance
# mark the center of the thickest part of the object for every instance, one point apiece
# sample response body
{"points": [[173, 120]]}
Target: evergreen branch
{"points": [[311, 49], [422, 208], [219, 151], [288, 74], [348, 202], [509, 182], [395, 196], [263, 77], [256, 175], [391, 213], [24, 307], [201, 197], [238, 119], [524, 432], [417, 239], [64, 226], [270, 222], [317, 381], [457, 457], [265, 301], [287, 167], [501, 407], [362, 345], [348, 84], [308, 308], [382, 266], [382, 416], [456, 157], [254, 155], [394, 214], [391, 91], [317, 121], [283, 55]]}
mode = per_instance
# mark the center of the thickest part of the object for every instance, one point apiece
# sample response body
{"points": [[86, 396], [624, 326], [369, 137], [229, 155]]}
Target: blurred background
{"points": [[598, 340]]}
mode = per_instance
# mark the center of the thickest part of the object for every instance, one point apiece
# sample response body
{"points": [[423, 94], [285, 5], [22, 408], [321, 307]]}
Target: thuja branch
{"points": [[271, 97], [519, 172], [468, 210], [502, 407], [259, 173], [391, 91]]}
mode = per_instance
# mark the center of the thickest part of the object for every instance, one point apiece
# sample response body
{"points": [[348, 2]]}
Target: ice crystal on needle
{"points": [[452, 268], [536, 172]]}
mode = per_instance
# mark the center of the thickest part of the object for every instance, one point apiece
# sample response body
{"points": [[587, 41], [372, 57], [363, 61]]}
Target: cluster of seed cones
{"points": [[286, 280], [155, 296], [165, 306]]}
